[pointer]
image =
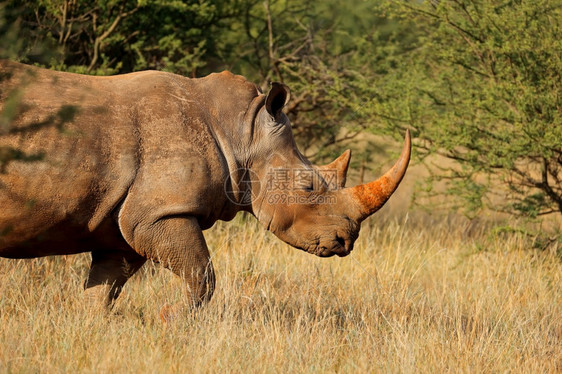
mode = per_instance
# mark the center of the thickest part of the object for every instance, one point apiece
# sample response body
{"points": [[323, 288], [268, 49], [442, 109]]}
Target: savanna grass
{"points": [[416, 295]]}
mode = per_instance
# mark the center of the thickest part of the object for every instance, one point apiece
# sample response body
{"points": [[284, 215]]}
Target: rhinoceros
{"points": [[135, 167]]}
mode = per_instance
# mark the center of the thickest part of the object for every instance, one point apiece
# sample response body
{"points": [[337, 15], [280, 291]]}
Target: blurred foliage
{"points": [[16, 47], [478, 81], [483, 88], [111, 36]]}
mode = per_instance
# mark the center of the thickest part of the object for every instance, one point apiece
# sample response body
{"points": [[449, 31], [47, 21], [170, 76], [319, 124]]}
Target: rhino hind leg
{"points": [[109, 272]]}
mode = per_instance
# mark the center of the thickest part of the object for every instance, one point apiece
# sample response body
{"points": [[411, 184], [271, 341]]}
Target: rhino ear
{"points": [[277, 98]]}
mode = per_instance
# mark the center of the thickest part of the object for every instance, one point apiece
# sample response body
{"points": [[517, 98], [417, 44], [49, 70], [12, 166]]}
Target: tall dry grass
{"points": [[416, 295]]}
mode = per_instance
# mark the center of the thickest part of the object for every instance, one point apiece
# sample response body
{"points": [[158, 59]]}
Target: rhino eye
{"points": [[305, 181]]}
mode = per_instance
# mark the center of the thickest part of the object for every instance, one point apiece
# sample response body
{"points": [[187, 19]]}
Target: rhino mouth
{"points": [[324, 252], [338, 247]]}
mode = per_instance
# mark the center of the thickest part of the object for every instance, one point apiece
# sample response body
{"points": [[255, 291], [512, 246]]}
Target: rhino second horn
{"points": [[370, 197], [340, 165]]}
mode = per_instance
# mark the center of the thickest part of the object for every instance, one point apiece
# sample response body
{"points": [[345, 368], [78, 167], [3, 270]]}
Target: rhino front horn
{"points": [[370, 197]]}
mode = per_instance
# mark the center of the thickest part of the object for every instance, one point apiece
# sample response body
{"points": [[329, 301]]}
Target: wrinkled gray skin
{"points": [[141, 168]]}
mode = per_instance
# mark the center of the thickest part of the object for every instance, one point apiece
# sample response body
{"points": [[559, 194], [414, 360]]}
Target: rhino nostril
{"points": [[340, 240]]}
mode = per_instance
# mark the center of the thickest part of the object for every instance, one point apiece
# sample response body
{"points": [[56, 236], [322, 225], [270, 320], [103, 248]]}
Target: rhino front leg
{"points": [[109, 272], [178, 244]]}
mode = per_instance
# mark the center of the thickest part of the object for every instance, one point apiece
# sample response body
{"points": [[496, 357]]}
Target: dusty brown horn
{"points": [[339, 165], [370, 197]]}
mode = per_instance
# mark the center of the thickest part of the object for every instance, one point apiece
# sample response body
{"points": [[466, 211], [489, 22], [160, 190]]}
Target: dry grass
{"points": [[416, 295]]}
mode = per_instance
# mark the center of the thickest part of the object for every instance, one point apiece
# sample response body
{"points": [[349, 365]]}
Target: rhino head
{"points": [[306, 206]]}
